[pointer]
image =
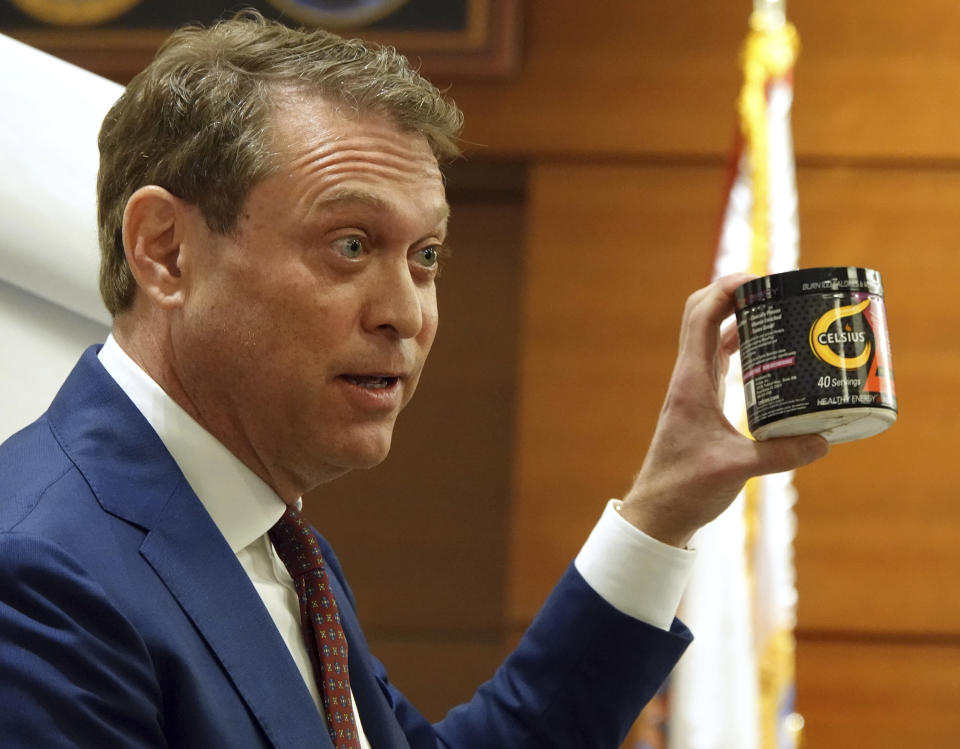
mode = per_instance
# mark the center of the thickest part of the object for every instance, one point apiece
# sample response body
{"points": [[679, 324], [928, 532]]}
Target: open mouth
{"points": [[371, 382]]}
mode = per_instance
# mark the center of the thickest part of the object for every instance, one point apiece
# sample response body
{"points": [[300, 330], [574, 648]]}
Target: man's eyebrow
{"points": [[347, 197], [344, 197]]}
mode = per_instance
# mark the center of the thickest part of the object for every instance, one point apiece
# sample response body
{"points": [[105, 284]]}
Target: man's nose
{"points": [[396, 302]]}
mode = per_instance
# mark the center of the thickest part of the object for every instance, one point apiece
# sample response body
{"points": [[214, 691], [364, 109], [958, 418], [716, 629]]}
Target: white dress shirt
{"points": [[633, 572]]}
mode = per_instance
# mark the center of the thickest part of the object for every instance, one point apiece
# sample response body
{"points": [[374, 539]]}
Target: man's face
{"points": [[303, 334]]}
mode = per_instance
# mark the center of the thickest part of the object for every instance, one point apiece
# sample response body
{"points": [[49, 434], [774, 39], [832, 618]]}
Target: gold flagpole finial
{"points": [[770, 14]]}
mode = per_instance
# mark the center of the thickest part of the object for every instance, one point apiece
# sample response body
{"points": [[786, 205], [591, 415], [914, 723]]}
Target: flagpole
{"points": [[733, 688], [768, 502]]}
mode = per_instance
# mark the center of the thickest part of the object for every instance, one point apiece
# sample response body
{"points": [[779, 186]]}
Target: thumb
{"points": [[787, 453]]}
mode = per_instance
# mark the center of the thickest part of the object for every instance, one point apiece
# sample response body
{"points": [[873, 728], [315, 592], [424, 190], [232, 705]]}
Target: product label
{"points": [[814, 352]]}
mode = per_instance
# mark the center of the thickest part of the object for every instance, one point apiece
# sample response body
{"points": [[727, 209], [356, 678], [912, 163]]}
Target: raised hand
{"points": [[698, 461]]}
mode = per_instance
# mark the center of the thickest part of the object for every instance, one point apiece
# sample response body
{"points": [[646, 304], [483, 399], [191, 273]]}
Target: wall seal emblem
{"points": [[337, 14], [74, 12]]}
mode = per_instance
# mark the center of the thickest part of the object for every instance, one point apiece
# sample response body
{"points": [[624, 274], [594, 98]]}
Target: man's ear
{"points": [[154, 224]]}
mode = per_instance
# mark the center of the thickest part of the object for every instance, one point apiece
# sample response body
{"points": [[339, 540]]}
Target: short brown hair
{"points": [[195, 121]]}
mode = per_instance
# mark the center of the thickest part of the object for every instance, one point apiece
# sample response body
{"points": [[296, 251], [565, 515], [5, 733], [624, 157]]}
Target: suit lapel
{"points": [[134, 478], [188, 553]]}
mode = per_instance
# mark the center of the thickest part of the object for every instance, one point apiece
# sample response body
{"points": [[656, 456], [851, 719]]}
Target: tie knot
{"points": [[296, 544]]}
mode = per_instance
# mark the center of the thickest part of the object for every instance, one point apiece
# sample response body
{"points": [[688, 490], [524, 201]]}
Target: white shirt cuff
{"points": [[636, 574]]}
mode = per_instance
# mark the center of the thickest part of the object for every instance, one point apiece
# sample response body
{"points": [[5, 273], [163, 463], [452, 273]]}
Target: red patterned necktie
{"points": [[320, 622]]}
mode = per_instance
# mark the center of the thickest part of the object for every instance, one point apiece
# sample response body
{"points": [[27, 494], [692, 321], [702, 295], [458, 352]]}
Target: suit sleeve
{"points": [[577, 680], [73, 672]]}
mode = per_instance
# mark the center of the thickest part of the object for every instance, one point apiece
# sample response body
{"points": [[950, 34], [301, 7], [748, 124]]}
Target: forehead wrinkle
{"points": [[394, 167], [346, 196], [332, 198], [325, 170], [366, 150]]}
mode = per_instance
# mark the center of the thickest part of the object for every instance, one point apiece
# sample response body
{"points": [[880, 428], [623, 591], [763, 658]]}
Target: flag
{"points": [[734, 687]]}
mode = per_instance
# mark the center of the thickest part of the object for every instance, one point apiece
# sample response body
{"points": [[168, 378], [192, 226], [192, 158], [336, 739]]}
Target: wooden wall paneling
{"points": [[878, 544], [881, 695], [874, 80], [611, 254], [877, 80], [622, 78]]}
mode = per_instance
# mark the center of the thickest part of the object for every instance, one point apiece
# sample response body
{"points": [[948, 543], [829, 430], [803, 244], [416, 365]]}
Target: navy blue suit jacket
{"points": [[127, 621]]}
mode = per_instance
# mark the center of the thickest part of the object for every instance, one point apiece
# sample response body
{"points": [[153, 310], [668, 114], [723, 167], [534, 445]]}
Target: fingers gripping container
{"points": [[815, 354]]}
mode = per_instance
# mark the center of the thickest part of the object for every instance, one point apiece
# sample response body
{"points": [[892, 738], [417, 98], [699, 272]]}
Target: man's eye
{"points": [[428, 257], [349, 247]]}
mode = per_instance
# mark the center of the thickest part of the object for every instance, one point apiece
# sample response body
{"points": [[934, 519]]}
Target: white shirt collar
{"points": [[241, 504]]}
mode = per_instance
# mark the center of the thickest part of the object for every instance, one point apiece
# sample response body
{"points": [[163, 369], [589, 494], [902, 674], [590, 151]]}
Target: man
{"points": [[272, 218]]}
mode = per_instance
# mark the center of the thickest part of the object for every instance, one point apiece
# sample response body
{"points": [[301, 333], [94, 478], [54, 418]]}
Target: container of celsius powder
{"points": [[815, 354]]}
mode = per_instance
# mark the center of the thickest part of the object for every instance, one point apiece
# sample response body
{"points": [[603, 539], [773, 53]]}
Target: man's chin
{"points": [[369, 462], [367, 453], [361, 450], [330, 471]]}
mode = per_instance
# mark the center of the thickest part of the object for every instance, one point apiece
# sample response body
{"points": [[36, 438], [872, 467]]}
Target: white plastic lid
{"points": [[840, 425]]}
